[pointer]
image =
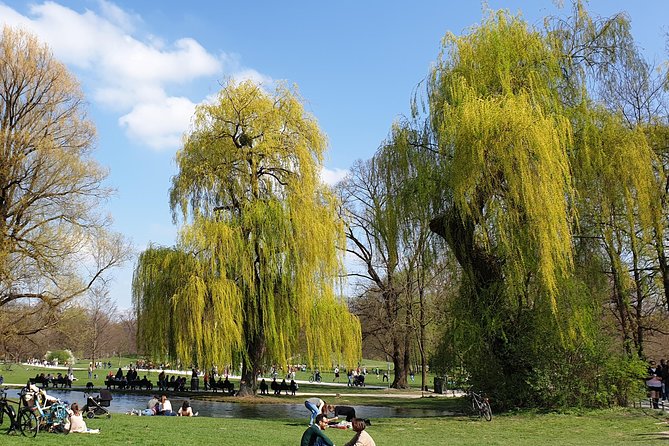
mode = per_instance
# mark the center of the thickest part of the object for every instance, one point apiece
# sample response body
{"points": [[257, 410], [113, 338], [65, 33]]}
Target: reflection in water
{"points": [[124, 402]]}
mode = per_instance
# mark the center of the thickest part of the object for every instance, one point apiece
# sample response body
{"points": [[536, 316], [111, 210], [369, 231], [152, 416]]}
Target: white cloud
{"points": [[159, 124], [128, 74], [124, 20], [333, 176]]}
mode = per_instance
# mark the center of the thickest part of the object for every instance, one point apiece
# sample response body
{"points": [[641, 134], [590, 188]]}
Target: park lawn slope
{"points": [[606, 427]]}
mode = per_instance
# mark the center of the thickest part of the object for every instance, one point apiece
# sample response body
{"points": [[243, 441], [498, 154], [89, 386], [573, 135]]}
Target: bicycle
{"points": [[315, 377], [6, 410], [481, 405], [34, 417]]}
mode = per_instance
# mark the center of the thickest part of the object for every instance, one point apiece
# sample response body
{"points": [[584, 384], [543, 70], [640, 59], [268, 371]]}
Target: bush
{"points": [[63, 357]]}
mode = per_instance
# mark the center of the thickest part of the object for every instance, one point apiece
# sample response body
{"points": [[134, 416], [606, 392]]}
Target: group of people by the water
{"points": [[163, 407], [319, 421]]}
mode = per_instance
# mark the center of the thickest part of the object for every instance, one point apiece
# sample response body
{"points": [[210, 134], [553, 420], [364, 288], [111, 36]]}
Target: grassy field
{"points": [[611, 427]]}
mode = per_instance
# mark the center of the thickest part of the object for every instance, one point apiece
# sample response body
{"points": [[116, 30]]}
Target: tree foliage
{"points": [[252, 277], [54, 245], [533, 164]]}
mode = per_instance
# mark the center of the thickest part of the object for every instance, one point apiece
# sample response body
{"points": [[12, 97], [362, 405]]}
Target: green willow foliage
{"points": [[252, 277], [525, 153], [499, 121]]}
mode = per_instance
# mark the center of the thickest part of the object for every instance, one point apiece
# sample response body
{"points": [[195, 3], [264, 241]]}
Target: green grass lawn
{"points": [[610, 427], [606, 427]]}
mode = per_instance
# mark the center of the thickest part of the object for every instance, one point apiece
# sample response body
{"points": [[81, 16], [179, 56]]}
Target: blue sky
{"points": [[144, 66]]}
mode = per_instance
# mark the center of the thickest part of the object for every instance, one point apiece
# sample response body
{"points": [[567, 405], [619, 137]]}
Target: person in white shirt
{"points": [[77, 423], [165, 407]]}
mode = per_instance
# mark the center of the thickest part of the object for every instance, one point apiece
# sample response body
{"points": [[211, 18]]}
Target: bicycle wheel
{"points": [[8, 417], [311, 378], [486, 411], [28, 423]]}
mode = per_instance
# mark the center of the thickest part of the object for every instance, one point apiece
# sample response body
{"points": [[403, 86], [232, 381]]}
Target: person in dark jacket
{"points": [[314, 435], [339, 412]]}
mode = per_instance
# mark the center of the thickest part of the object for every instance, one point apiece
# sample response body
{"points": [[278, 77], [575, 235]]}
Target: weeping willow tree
{"points": [[522, 147], [252, 277]]}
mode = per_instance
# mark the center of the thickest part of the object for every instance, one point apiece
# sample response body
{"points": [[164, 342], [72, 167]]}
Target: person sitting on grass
{"points": [[361, 438], [77, 423], [314, 435], [166, 407]]}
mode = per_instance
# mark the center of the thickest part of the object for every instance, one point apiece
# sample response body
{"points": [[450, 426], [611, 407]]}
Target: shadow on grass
{"points": [[653, 436]]}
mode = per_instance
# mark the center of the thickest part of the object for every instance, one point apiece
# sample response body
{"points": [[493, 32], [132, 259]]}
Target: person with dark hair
{"points": [[654, 383], [263, 387], [314, 435], [341, 411], [361, 437], [186, 411]]}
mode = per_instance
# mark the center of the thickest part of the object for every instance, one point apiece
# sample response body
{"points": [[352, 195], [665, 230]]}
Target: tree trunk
{"points": [[664, 267]]}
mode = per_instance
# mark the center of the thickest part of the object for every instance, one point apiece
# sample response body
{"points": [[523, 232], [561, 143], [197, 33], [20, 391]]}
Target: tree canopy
{"points": [[252, 278], [531, 163], [54, 243]]}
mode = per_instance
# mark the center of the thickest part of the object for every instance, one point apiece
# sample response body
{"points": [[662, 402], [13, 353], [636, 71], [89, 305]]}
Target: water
{"points": [[125, 402]]}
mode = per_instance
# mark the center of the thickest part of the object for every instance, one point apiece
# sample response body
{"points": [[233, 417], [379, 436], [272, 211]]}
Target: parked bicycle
{"points": [[480, 405], [36, 415], [7, 413], [315, 377]]}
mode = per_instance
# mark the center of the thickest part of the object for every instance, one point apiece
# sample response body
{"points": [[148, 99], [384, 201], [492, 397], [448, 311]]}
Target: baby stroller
{"points": [[96, 405], [359, 380]]}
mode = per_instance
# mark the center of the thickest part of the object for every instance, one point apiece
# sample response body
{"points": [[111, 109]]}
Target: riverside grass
{"points": [[603, 427]]}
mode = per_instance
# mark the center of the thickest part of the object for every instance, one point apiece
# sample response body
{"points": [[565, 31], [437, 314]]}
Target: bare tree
{"points": [[54, 245], [387, 217], [101, 311]]}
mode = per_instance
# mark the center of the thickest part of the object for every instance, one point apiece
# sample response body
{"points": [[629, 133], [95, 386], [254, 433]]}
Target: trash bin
{"points": [[195, 384], [438, 384]]}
